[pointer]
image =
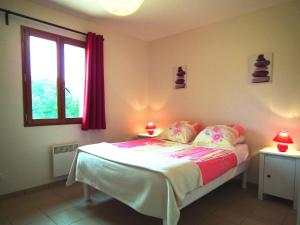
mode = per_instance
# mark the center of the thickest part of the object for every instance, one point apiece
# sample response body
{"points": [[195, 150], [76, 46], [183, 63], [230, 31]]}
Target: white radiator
{"points": [[62, 156]]}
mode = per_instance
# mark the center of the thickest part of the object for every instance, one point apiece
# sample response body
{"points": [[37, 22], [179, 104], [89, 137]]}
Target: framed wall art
{"points": [[180, 77], [260, 67]]}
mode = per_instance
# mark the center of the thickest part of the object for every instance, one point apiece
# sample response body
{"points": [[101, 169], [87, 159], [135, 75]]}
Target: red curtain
{"points": [[94, 99]]}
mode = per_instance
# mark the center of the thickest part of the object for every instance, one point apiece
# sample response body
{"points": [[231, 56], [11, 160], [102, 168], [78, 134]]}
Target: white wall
{"points": [[24, 153], [219, 90]]}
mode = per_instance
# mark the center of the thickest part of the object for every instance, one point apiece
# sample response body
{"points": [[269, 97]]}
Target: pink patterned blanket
{"points": [[211, 162]]}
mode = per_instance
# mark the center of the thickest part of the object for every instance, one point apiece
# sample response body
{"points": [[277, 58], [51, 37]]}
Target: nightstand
{"points": [[279, 173], [146, 135], [298, 213]]}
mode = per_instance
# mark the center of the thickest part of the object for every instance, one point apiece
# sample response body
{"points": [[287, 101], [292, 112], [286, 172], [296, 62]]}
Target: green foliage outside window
{"points": [[72, 105], [44, 101]]}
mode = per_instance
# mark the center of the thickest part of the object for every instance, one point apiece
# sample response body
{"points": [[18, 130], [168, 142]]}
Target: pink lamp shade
{"points": [[150, 128], [284, 139]]}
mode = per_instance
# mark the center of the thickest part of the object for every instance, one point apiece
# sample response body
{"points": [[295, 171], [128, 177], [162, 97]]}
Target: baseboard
{"points": [[32, 189]]}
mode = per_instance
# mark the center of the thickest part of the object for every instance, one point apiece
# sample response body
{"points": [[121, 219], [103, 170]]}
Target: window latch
{"points": [[67, 90]]}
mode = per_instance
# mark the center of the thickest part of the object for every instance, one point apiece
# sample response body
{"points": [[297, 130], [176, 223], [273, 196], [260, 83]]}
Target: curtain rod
{"points": [[8, 12]]}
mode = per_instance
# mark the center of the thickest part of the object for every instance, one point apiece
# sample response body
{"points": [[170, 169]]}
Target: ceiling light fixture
{"points": [[121, 7]]}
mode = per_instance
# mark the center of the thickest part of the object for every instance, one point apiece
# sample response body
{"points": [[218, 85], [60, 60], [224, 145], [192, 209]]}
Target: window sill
{"points": [[42, 122]]}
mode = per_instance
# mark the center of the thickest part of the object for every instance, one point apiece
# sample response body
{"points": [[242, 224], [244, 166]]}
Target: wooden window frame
{"points": [[26, 32]]}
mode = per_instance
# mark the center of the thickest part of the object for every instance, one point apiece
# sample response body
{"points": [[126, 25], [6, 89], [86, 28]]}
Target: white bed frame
{"points": [[242, 168]]}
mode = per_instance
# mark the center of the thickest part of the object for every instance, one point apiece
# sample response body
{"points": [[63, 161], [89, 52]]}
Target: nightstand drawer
{"points": [[279, 176]]}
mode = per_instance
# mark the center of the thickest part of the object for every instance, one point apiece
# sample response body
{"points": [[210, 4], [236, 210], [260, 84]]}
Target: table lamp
{"points": [[150, 128], [284, 139]]}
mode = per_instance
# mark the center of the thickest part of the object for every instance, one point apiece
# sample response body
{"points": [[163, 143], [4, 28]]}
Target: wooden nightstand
{"points": [[279, 174], [146, 135]]}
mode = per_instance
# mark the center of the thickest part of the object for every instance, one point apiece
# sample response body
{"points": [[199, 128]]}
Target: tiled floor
{"points": [[58, 205]]}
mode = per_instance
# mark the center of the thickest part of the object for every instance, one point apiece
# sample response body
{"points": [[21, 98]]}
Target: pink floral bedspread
{"points": [[141, 142], [211, 162]]}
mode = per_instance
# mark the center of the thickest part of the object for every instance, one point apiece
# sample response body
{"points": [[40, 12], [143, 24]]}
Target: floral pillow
{"points": [[182, 131], [219, 136]]}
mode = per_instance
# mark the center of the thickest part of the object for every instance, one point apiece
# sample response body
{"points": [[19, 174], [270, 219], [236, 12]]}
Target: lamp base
{"points": [[282, 147], [150, 132]]}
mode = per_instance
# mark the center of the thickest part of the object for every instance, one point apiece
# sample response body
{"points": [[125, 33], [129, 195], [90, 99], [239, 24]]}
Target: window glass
{"points": [[74, 62], [43, 68]]}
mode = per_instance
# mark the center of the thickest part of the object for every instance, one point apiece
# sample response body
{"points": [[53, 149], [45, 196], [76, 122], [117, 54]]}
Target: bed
{"points": [[157, 177]]}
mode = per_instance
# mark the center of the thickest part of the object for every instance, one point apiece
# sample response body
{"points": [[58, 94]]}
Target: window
{"points": [[53, 78]]}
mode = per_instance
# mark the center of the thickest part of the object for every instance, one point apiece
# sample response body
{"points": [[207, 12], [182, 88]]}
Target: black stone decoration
{"points": [[261, 72], [180, 81]]}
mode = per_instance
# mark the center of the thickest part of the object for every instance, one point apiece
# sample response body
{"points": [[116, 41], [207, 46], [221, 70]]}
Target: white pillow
{"points": [[239, 140]]}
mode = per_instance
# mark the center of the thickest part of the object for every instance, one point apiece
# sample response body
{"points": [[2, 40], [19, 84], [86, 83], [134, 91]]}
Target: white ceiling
{"points": [[159, 18]]}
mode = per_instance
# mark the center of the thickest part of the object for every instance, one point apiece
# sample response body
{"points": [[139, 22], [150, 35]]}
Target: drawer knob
{"points": [[269, 176]]}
